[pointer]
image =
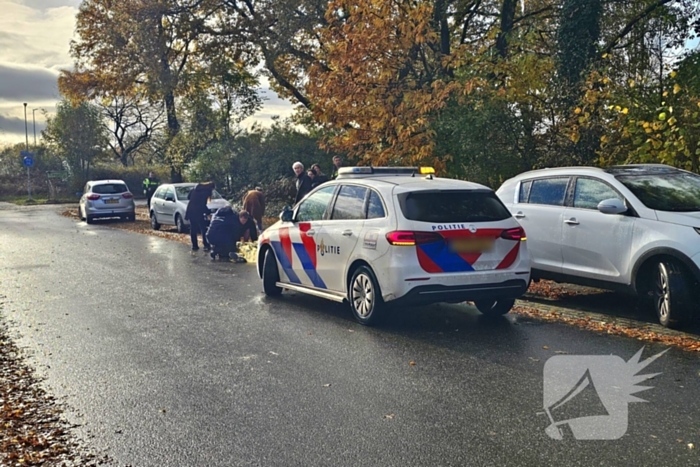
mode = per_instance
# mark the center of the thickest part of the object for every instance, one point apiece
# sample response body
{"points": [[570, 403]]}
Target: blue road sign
{"points": [[27, 158]]}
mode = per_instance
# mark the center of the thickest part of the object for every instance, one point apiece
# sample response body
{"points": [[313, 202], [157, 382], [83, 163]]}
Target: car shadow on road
{"points": [[613, 304]]}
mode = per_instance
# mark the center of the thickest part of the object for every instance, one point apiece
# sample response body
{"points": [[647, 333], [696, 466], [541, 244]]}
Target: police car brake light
{"points": [[517, 233], [407, 238]]}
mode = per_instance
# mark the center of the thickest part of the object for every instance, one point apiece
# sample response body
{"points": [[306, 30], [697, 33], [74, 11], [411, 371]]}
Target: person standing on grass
{"points": [[303, 181], [337, 164], [149, 187], [254, 204], [196, 211]]}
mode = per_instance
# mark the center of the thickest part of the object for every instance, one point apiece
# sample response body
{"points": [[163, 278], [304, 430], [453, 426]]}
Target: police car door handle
{"points": [[347, 233], [310, 233], [519, 215], [571, 221]]}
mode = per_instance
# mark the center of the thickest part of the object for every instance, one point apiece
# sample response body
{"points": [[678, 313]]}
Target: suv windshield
{"points": [[678, 191], [184, 191], [452, 206], [109, 188]]}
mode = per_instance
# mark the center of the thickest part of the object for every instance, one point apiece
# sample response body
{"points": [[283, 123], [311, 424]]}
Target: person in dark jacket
{"points": [[319, 177], [196, 211], [221, 233], [226, 229], [303, 181]]}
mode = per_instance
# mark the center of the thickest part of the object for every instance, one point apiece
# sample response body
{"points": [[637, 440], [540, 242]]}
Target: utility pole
{"points": [[26, 143]]}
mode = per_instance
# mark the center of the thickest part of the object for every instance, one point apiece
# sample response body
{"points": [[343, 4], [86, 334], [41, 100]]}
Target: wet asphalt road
{"points": [[171, 360]]}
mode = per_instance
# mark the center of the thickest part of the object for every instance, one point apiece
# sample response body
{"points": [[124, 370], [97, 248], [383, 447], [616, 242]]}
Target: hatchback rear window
{"points": [[109, 188], [453, 206]]}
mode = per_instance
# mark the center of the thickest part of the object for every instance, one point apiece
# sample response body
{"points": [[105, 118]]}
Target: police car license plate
{"points": [[471, 245], [111, 201]]}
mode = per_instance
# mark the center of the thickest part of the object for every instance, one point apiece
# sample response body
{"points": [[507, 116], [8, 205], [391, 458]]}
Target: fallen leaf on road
{"points": [[545, 347], [534, 359], [691, 446], [273, 353], [390, 416], [561, 352], [412, 363], [327, 385]]}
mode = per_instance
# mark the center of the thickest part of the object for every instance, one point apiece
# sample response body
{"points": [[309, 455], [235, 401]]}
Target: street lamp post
{"points": [[34, 122], [26, 133]]}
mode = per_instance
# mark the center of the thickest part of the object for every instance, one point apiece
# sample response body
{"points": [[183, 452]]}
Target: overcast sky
{"points": [[34, 45]]}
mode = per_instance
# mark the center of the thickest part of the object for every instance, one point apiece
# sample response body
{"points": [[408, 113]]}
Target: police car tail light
{"points": [[517, 233], [407, 238], [93, 197]]}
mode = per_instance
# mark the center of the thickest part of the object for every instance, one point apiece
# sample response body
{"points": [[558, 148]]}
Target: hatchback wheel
{"points": [[180, 224], [154, 222], [271, 275], [80, 213], [365, 297], [89, 219], [670, 292], [494, 307]]}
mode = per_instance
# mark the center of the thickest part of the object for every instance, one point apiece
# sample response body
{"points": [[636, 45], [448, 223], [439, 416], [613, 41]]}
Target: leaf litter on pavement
{"points": [[34, 431]]}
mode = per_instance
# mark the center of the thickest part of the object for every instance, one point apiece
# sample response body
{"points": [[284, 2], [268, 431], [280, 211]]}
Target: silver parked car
{"points": [[169, 204], [106, 198]]}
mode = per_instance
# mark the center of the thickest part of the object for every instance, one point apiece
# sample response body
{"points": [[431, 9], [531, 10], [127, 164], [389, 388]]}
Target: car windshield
{"points": [[453, 206], [679, 192], [109, 188], [184, 191]]}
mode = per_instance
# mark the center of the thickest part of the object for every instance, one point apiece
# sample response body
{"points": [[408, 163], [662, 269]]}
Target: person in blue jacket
{"points": [[225, 229]]}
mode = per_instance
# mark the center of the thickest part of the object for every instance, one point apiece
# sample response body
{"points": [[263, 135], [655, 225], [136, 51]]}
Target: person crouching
{"points": [[225, 229], [220, 234]]}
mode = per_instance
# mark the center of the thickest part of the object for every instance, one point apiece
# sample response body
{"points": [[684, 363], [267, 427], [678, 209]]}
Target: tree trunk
{"points": [[507, 17]]}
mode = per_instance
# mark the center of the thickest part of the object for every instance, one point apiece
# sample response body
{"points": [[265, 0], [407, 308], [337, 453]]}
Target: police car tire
{"points": [[154, 223], [271, 275], [494, 307], [377, 311]]}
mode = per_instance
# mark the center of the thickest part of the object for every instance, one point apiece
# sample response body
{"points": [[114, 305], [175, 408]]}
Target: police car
{"points": [[381, 236]]}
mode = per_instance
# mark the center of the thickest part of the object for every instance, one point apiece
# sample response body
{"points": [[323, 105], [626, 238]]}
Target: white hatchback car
{"points": [[634, 228], [392, 236]]}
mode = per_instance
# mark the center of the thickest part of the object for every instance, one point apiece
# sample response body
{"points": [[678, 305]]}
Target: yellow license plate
{"points": [[472, 245], [111, 201]]}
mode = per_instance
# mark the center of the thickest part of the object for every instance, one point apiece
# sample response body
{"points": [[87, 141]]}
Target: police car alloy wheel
{"points": [[364, 296]]}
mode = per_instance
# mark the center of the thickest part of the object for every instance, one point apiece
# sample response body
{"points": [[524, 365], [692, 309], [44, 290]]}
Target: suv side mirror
{"points": [[612, 206], [287, 214]]}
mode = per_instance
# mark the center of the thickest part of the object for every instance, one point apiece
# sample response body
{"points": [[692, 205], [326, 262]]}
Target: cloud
{"points": [[12, 128], [27, 84]]}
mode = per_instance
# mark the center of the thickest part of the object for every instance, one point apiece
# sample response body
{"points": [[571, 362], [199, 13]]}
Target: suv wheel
{"points": [[494, 307], [154, 222], [180, 224], [271, 275], [670, 291], [80, 213], [365, 297]]}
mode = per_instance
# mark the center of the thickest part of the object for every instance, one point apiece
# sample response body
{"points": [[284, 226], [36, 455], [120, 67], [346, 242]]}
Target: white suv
{"points": [[633, 228], [380, 236]]}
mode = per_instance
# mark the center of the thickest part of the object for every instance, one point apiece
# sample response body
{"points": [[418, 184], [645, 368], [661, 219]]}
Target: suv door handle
{"points": [[519, 215], [571, 221], [347, 233]]}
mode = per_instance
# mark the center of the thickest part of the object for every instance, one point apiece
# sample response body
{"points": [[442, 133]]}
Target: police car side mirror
{"points": [[287, 214]]}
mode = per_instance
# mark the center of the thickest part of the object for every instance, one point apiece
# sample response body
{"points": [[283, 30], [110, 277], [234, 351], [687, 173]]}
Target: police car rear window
{"points": [[109, 188], [452, 206]]}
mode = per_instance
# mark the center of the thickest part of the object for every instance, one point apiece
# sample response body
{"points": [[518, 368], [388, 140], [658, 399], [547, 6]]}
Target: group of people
{"points": [[226, 228], [308, 180]]}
